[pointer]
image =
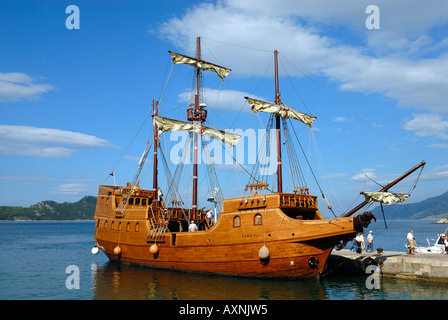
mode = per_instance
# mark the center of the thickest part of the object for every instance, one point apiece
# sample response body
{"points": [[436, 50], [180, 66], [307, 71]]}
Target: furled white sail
{"points": [[284, 112], [385, 197], [165, 124], [222, 72]]}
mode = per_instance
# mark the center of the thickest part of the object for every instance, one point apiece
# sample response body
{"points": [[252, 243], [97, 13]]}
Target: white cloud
{"points": [[336, 175], [44, 142], [342, 119], [364, 175], [438, 146], [391, 68], [428, 125], [437, 173], [402, 21], [17, 86], [72, 189]]}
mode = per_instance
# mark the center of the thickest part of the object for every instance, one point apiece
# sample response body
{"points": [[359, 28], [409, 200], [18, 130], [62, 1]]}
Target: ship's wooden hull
{"points": [[297, 248], [227, 260]]}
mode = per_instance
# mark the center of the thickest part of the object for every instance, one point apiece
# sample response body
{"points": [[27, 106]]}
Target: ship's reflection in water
{"points": [[127, 282], [118, 281]]}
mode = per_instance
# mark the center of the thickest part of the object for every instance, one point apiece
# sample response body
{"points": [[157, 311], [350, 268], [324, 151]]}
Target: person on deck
{"points": [[193, 227], [210, 217]]}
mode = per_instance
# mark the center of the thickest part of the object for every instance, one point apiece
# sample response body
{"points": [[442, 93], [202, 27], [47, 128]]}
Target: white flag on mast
{"points": [[284, 112], [177, 58], [165, 124]]}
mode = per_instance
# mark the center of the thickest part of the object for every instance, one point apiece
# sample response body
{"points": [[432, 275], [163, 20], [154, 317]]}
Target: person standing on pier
{"points": [[446, 243], [360, 242], [411, 241], [370, 242]]}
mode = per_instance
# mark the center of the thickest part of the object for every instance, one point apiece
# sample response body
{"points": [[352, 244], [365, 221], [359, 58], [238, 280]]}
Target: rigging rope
{"points": [[297, 175], [323, 173], [127, 148], [168, 81], [172, 190], [349, 109], [212, 178], [238, 45], [311, 169]]}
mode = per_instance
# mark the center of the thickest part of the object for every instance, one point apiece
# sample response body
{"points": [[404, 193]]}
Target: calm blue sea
{"points": [[37, 261]]}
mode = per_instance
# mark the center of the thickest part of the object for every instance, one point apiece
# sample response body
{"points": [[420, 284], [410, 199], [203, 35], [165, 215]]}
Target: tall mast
{"points": [[198, 115], [195, 148], [277, 127], [155, 186]]}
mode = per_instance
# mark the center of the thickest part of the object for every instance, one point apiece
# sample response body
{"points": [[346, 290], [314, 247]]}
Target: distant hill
{"points": [[431, 208], [84, 209]]}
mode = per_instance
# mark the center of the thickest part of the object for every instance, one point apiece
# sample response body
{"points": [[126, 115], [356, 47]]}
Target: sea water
{"points": [[53, 261]]}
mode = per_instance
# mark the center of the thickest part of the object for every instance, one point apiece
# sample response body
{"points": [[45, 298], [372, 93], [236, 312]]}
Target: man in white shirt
{"points": [[209, 216], [193, 227], [411, 241], [370, 241], [360, 241]]}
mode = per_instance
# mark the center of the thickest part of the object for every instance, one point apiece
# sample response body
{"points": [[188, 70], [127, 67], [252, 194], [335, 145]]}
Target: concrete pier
{"points": [[421, 266]]}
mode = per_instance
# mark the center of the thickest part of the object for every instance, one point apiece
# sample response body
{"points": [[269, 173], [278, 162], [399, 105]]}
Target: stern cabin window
{"points": [[258, 220], [236, 222]]}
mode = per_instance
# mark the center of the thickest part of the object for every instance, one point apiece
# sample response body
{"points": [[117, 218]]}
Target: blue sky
{"points": [[71, 101]]}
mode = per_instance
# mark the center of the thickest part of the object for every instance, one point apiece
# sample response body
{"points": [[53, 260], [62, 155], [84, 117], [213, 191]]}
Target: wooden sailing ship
{"points": [[265, 233]]}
